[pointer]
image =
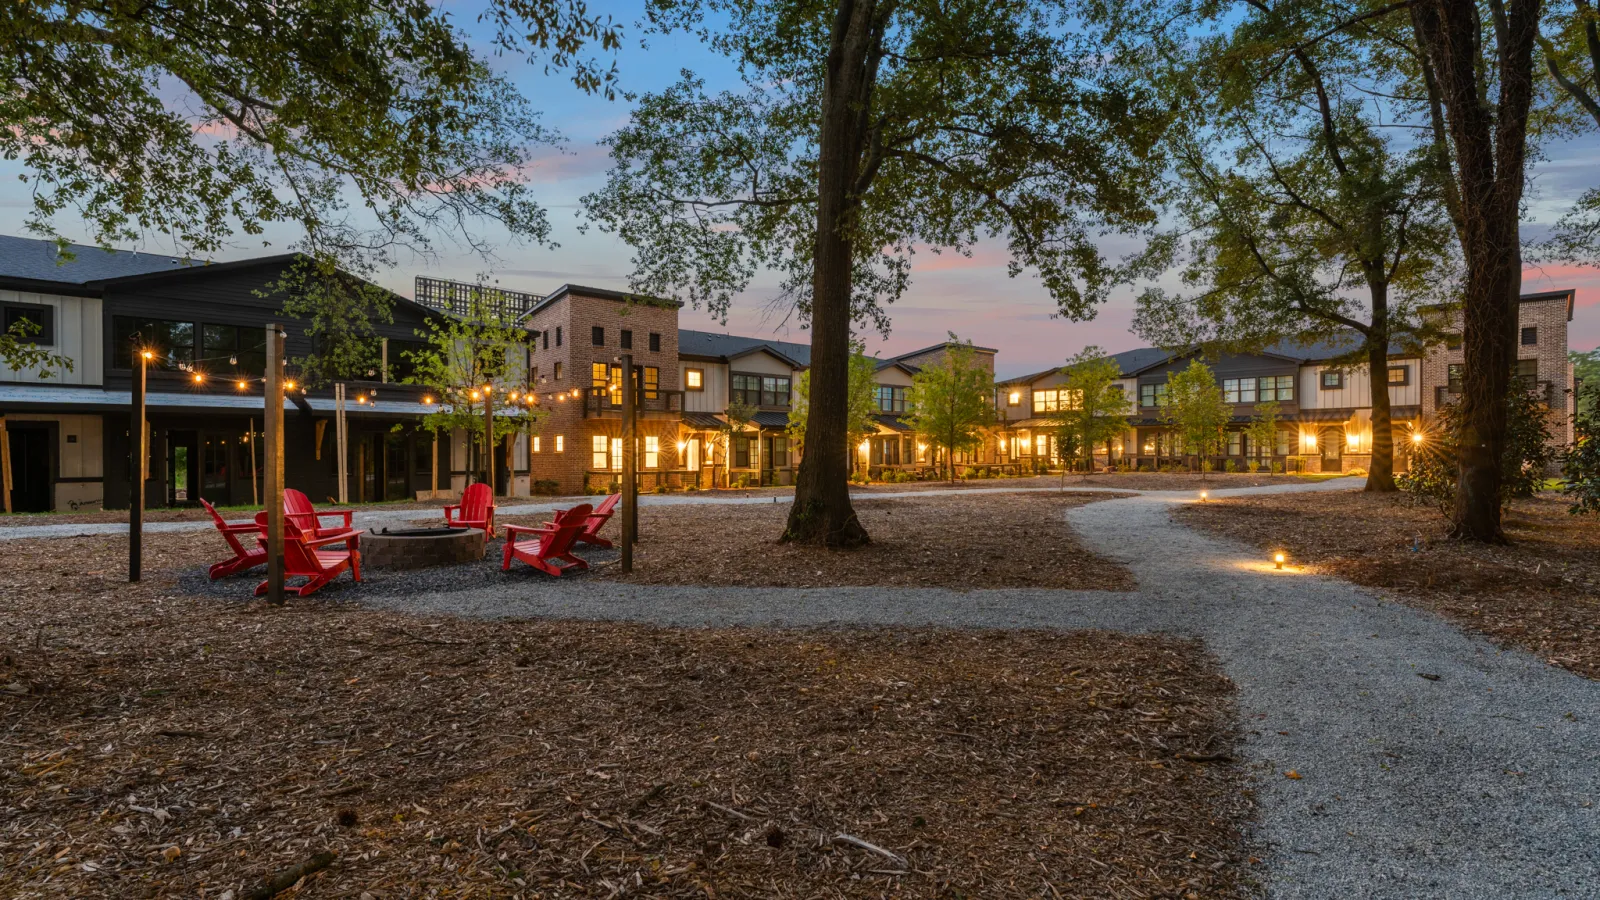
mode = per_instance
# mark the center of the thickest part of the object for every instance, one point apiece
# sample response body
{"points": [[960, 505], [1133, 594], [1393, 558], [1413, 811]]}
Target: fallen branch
{"points": [[286, 879], [1204, 757], [852, 840]]}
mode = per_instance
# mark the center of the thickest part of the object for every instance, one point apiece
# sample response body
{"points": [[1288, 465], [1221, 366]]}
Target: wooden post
{"points": [[339, 447], [630, 472], [433, 486], [250, 435], [384, 345], [488, 437], [273, 432], [5, 463], [141, 450]]}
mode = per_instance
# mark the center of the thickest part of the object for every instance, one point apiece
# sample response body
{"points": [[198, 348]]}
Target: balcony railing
{"points": [[604, 403]]}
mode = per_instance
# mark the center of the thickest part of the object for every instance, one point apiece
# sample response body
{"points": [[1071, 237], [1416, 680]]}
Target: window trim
{"points": [[693, 383], [625, 338], [655, 342], [597, 335], [1405, 377], [1338, 380], [1526, 331]]}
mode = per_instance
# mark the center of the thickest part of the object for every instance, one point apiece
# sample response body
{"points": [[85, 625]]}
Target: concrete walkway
{"points": [[1480, 780]]}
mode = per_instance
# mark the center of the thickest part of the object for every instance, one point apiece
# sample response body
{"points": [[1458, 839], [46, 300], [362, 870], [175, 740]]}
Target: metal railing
{"points": [[460, 297], [602, 402]]}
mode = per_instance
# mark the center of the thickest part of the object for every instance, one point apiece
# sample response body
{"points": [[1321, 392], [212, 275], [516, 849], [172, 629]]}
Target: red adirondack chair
{"points": [[297, 509], [243, 559], [303, 557], [552, 552], [476, 509], [591, 527]]}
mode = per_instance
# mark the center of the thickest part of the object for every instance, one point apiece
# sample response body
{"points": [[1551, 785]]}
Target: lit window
{"points": [[694, 379], [599, 373], [561, 443], [1014, 398], [558, 372], [616, 455], [1399, 374], [652, 451], [598, 455], [536, 443]]}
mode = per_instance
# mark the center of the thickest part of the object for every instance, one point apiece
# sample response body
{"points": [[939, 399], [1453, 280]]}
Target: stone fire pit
{"points": [[419, 548]]}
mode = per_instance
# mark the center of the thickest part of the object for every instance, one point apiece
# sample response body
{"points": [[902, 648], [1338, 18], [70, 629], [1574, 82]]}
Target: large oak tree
{"points": [[866, 130]]}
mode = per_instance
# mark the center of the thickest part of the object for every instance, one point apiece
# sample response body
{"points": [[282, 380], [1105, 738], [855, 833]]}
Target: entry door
{"points": [[30, 468], [183, 453], [214, 470], [395, 482], [1332, 444]]}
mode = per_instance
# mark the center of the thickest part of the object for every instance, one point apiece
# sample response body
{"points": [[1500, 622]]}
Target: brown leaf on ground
{"points": [[1541, 593], [562, 759], [959, 542]]}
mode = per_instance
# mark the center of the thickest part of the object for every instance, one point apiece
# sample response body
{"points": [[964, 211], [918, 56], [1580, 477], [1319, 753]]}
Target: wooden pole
{"points": [[433, 486], [488, 437], [630, 472], [250, 435], [141, 450], [340, 448], [5, 463], [273, 433]]}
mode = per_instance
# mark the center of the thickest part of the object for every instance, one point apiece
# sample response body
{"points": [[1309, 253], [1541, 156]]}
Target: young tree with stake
{"points": [[951, 402], [1094, 409], [1196, 411]]}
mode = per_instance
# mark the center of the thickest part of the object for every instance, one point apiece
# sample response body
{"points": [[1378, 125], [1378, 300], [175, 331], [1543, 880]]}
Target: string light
{"points": [[199, 378], [427, 400], [289, 385], [474, 395], [242, 385], [148, 355]]}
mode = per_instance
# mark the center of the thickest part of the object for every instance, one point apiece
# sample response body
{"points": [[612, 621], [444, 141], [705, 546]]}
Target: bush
{"points": [[1230, 466], [544, 486], [1357, 471], [1277, 467], [1581, 464], [1528, 456]]}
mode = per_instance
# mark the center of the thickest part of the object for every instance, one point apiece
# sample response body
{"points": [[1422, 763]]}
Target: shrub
{"points": [[661, 489], [1277, 468], [1357, 471], [1230, 466], [545, 486], [1528, 456], [1581, 464]]}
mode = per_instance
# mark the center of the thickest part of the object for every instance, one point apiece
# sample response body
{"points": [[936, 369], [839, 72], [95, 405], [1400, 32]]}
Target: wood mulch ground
{"points": [[957, 542], [158, 745], [1541, 593]]}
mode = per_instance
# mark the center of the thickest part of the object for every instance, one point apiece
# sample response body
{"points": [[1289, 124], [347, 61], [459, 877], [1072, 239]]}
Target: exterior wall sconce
{"points": [[1416, 437], [865, 446]]}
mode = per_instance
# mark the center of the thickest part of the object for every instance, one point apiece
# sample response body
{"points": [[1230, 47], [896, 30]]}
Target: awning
{"points": [[892, 423], [771, 420], [703, 421]]}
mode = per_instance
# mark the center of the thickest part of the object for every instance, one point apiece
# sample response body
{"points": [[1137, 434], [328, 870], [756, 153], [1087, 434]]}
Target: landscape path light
{"points": [[1277, 559]]}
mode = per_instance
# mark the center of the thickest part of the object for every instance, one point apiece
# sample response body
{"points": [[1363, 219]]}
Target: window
{"points": [[1285, 437], [1452, 342], [172, 342], [625, 339], [652, 382], [536, 443], [42, 316], [1239, 390], [403, 360], [746, 389], [694, 379], [691, 459], [226, 347], [558, 335], [1332, 380], [655, 342], [741, 453], [1014, 398], [597, 336], [1530, 337], [1277, 387], [558, 371], [652, 451], [616, 454], [1399, 375], [546, 335], [533, 374], [774, 391], [1452, 377], [599, 453], [890, 399], [1527, 372], [1235, 443], [561, 443], [1152, 394], [1053, 399], [599, 375]]}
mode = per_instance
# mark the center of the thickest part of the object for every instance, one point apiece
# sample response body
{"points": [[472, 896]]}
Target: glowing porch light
{"points": [[864, 446], [682, 446], [1416, 437], [148, 355]]}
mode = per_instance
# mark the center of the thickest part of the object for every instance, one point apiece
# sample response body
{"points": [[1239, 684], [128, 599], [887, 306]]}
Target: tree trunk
{"points": [[1490, 144], [1380, 472], [822, 513]]}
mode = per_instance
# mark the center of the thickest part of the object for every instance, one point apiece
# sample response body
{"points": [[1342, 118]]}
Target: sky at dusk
{"points": [[970, 296]]}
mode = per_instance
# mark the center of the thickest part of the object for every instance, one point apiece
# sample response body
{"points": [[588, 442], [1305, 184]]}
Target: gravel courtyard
{"points": [[1393, 754]]}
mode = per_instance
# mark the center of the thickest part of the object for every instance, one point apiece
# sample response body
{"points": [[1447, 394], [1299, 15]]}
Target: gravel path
{"points": [[1483, 781]]}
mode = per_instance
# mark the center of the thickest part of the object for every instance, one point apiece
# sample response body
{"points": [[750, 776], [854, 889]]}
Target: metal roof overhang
{"points": [[42, 398]]}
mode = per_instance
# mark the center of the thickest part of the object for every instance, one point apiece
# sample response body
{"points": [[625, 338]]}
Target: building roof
{"points": [[724, 347], [603, 294], [703, 421], [940, 346], [36, 260]]}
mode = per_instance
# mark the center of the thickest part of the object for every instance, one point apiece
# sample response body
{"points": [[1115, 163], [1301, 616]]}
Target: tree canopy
{"points": [[1196, 411]]}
